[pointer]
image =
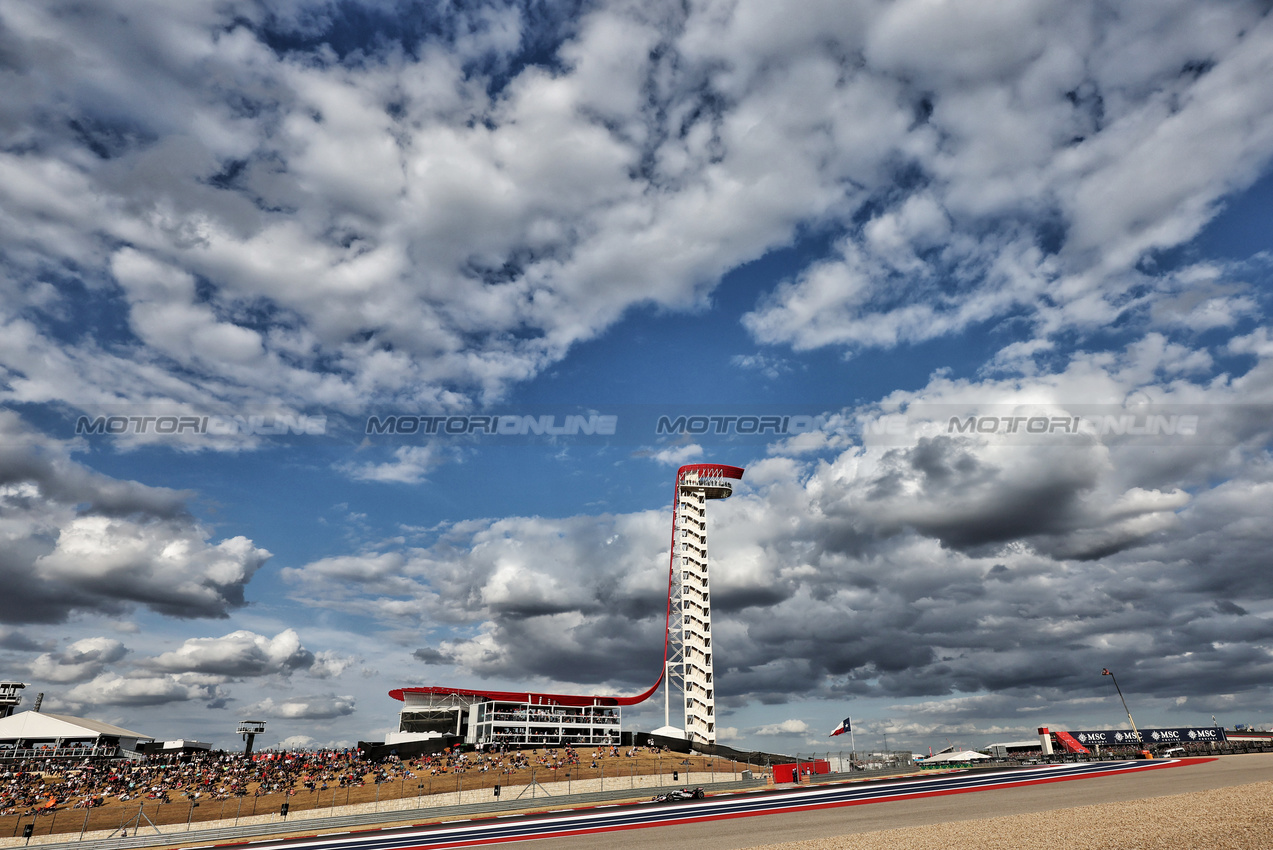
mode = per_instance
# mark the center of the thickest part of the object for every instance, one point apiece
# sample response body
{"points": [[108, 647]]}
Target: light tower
{"points": [[688, 656]]}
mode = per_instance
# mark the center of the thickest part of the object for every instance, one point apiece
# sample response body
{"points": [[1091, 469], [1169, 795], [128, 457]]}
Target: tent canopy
{"points": [[36, 725], [962, 755]]}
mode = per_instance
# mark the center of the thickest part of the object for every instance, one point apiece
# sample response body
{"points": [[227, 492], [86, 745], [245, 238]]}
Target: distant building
{"points": [[501, 717], [1015, 749], [181, 746]]}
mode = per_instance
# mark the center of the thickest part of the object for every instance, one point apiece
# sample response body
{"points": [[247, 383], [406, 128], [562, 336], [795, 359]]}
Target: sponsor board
{"points": [[1125, 737]]}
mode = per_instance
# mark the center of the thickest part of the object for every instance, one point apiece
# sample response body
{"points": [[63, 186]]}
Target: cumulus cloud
{"points": [[77, 540], [678, 455], [324, 707], [79, 661], [297, 742], [771, 367], [240, 654], [133, 690], [566, 598], [410, 464], [786, 727], [1035, 170], [430, 218], [329, 664]]}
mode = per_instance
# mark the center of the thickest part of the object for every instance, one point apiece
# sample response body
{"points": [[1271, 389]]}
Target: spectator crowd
{"points": [[44, 785]]}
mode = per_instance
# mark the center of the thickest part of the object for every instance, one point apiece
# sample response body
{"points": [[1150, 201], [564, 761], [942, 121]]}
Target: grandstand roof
{"points": [[528, 696], [38, 725]]}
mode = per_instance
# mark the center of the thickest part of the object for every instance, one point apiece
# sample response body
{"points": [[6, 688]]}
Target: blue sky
{"points": [[894, 218]]}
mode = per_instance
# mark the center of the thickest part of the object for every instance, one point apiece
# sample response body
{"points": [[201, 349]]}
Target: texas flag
{"points": [[842, 728]]}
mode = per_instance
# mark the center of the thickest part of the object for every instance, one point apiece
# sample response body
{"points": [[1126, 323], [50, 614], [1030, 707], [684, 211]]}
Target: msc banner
{"points": [[1125, 737]]}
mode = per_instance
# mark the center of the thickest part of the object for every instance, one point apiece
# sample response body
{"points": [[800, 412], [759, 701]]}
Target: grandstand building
{"points": [[536, 719]]}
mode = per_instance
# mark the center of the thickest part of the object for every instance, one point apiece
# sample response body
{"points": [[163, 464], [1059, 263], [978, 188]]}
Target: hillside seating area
{"points": [[61, 796]]}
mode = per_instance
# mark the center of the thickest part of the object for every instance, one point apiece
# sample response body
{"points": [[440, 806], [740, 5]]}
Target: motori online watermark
{"points": [[503, 424], [153, 424], [196, 425], [930, 421], [1126, 424], [637, 424], [720, 424]]}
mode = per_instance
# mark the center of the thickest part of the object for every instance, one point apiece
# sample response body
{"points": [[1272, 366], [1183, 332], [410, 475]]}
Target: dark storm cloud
{"points": [[587, 651], [27, 460], [20, 642], [430, 656], [941, 489]]}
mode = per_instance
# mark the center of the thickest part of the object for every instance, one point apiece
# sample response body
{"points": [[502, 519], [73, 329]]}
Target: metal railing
{"points": [[26, 753]]}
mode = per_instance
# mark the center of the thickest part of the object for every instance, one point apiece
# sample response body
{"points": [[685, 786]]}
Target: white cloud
{"points": [[304, 707], [169, 565], [79, 661], [410, 466], [677, 455], [329, 664], [239, 654], [297, 742], [1048, 173], [771, 367], [113, 689], [786, 727], [328, 233]]}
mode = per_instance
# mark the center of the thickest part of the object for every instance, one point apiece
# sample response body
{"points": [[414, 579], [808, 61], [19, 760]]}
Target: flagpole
{"points": [[853, 747]]}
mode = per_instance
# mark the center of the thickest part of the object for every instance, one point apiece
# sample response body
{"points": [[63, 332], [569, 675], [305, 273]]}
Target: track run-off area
{"points": [[604, 819]]}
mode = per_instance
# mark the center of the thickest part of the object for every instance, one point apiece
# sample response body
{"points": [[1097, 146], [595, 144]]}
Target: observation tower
{"points": [[522, 718], [688, 656]]}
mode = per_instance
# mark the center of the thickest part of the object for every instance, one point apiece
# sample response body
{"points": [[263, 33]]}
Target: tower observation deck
{"points": [[521, 718]]}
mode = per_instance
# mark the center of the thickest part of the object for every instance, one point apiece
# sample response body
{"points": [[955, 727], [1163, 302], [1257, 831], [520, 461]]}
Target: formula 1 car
{"points": [[680, 794]]}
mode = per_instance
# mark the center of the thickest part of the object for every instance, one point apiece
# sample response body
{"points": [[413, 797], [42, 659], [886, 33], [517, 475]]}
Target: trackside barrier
{"points": [[176, 835]]}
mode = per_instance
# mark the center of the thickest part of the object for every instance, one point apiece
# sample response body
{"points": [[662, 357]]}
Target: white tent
{"points": [[35, 730], [961, 756]]}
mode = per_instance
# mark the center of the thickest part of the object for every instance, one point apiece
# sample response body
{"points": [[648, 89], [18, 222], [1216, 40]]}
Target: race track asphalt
{"points": [[754, 832]]}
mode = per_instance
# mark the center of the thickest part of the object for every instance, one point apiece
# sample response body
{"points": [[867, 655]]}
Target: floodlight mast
{"points": [[688, 657]]}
